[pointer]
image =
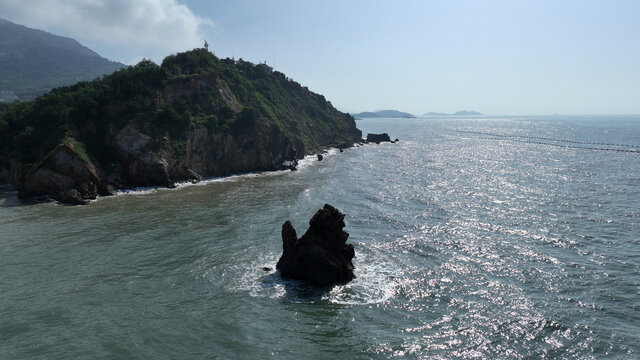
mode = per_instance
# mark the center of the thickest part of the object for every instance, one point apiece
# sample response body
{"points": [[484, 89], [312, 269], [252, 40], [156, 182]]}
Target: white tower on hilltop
{"points": [[206, 45]]}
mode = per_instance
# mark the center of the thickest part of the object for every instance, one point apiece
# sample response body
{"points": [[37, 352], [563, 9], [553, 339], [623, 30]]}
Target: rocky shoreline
{"points": [[66, 178]]}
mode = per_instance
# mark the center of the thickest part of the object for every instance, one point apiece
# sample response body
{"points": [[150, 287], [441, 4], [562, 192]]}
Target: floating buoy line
{"points": [[563, 142]]}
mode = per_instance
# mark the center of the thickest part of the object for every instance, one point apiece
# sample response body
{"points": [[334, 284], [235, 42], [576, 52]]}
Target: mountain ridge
{"points": [[32, 62]]}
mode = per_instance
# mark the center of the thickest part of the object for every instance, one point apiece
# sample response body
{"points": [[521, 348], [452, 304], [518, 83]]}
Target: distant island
{"points": [[32, 62], [383, 114], [458, 113]]}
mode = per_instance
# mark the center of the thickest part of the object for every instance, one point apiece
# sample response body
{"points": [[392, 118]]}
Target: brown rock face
{"points": [[64, 176], [264, 147], [321, 256]]}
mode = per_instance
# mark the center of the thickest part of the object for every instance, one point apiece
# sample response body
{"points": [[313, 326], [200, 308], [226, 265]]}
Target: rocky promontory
{"points": [[191, 117]]}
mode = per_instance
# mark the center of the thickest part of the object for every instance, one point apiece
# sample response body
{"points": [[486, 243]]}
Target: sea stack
{"points": [[378, 138], [321, 256]]}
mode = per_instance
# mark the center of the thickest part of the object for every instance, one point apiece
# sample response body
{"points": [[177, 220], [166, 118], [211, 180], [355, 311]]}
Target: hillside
{"points": [[32, 62], [383, 114], [193, 116]]}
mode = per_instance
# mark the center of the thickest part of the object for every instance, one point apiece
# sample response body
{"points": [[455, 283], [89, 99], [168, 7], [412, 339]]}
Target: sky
{"points": [[500, 57]]}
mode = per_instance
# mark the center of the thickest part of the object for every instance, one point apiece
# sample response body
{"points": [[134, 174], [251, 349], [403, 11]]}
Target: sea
{"points": [[487, 237]]}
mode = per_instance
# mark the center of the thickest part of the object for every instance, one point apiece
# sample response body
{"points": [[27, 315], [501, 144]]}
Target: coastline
{"points": [[302, 164]]}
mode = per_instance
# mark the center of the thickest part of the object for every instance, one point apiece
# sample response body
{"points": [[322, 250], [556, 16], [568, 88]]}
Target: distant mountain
{"points": [[466, 113], [32, 62], [383, 114], [458, 113]]}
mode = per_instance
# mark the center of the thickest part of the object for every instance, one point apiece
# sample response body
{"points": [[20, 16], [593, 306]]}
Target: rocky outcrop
{"points": [[289, 165], [378, 138], [64, 176], [321, 256]]}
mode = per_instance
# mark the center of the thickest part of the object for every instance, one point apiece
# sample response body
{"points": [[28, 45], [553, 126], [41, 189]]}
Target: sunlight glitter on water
{"points": [[466, 246]]}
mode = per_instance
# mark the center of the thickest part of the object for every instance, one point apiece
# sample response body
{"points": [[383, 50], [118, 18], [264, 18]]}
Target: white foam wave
{"points": [[377, 281], [302, 164]]}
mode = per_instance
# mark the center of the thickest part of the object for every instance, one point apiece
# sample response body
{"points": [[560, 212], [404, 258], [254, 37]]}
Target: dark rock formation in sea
{"points": [[321, 256], [320, 157], [195, 116], [378, 138]]}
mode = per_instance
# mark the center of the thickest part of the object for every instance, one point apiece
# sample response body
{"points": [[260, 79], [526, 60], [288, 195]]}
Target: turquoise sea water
{"points": [[484, 237]]}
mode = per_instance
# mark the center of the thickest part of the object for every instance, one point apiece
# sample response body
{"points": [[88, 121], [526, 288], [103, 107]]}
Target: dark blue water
{"points": [[491, 237]]}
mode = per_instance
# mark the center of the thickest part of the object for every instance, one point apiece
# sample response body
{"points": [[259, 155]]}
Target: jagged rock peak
{"points": [[321, 256]]}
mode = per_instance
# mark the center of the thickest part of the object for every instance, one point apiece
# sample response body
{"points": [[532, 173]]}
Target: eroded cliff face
{"points": [[65, 176], [262, 148]]}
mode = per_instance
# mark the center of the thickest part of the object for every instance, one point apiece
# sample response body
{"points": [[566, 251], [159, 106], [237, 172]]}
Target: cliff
{"points": [[194, 116]]}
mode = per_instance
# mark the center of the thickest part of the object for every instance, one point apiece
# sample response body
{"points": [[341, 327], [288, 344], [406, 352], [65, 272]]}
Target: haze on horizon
{"points": [[496, 56]]}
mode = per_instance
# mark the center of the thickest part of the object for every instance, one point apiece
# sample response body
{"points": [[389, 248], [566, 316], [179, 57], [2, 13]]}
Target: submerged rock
{"points": [[321, 256]]}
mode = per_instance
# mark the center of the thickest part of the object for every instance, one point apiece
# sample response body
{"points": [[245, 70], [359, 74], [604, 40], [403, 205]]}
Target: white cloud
{"points": [[158, 25]]}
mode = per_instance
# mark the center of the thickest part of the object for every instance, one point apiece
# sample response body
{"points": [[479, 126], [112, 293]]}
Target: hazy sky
{"points": [[496, 57]]}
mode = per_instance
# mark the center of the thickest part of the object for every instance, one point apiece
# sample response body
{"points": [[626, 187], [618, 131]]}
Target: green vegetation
{"points": [[166, 101]]}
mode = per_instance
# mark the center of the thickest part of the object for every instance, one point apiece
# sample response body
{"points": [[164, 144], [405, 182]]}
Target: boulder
{"points": [[289, 164], [320, 157], [378, 138], [321, 256]]}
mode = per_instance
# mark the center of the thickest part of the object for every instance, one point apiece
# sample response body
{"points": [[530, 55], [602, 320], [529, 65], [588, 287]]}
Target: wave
{"points": [[304, 163], [377, 281]]}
